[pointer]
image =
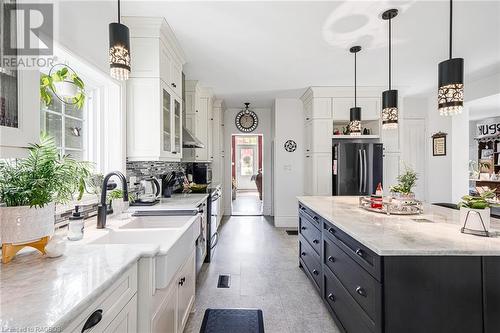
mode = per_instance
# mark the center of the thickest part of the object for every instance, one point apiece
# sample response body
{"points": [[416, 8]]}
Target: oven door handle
{"points": [[216, 237]]}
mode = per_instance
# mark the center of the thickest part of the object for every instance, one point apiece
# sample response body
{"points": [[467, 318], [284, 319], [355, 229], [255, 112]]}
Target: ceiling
{"points": [[485, 107], [257, 51]]}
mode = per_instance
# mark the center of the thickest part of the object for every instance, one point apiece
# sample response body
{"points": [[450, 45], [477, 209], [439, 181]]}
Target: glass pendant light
{"points": [[355, 112], [390, 97], [119, 49], [451, 80]]}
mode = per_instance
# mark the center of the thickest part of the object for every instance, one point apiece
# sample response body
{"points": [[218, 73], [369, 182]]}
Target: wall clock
{"points": [[290, 146], [246, 120]]}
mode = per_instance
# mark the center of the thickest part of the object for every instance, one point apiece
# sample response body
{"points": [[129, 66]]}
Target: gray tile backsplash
{"points": [[144, 169]]}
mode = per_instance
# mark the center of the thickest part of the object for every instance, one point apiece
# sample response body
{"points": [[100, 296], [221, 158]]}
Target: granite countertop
{"points": [[401, 235], [48, 293], [180, 201]]}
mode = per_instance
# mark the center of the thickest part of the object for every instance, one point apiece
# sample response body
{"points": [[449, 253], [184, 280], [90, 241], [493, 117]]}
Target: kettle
{"points": [[149, 190]]}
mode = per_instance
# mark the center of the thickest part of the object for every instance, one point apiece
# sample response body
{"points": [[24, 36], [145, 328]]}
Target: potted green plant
{"points": [[65, 84], [476, 210], [30, 187], [406, 182]]}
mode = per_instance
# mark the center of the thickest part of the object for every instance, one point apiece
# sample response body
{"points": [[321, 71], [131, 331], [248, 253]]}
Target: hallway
{"points": [[247, 202], [263, 264]]}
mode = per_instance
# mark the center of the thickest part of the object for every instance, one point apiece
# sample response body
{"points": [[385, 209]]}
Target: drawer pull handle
{"points": [[315, 218], [93, 320], [315, 241], [315, 272], [331, 230], [331, 297], [303, 228], [303, 254], [331, 259], [182, 280], [360, 253], [361, 291], [303, 208]]}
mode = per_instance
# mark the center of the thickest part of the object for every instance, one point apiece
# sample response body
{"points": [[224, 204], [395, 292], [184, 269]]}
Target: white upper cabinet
{"points": [[322, 108], [154, 103], [370, 108]]}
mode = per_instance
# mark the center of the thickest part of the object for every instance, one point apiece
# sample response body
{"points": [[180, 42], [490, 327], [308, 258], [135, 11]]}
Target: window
{"points": [[67, 125]]}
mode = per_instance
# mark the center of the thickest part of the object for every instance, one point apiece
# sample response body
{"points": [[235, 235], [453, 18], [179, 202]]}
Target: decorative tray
{"points": [[393, 206]]}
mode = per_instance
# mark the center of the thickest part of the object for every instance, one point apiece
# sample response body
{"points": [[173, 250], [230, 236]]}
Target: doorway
{"points": [[246, 174]]}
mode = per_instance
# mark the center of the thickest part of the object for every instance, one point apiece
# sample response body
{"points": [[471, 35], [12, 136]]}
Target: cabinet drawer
{"points": [[360, 253], [110, 303], [310, 232], [352, 317], [313, 217], [361, 285], [311, 261]]}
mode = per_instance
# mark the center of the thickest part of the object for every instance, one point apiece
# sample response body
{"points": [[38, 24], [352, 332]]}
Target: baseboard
{"points": [[286, 222]]}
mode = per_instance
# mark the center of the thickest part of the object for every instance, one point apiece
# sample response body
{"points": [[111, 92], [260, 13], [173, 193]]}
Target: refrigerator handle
{"points": [[365, 168], [360, 170]]}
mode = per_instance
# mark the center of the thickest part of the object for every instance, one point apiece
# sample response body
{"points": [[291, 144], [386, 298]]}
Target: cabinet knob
{"points": [[307, 149], [315, 218], [361, 291], [174, 85], [181, 281], [331, 297], [307, 118], [359, 252], [303, 228], [93, 320], [315, 272], [331, 230], [303, 254], [315, 241], [331, 259]]}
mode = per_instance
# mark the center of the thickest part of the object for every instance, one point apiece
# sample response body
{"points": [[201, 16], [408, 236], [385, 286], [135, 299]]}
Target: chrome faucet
{"points": [[102, 209]]}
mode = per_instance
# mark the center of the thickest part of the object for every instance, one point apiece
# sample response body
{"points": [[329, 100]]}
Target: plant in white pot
{"points": [[29, 189], [407, 181], [475, 210]]}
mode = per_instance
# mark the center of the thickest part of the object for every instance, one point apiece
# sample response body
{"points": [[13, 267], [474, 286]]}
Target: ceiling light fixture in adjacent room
{"points": [[451, 80], [390, 96], [355, 112], [119, 49]]}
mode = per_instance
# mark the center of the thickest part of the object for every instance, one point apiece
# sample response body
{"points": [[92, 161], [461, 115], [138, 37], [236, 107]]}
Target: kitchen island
{"points": [[380, 273]]}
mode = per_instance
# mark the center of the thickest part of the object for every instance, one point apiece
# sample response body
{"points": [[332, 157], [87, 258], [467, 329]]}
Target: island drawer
{"points": [[351, 316], [362, 286], [310, 233], [311, 261], [315, 218], [357, 251]]}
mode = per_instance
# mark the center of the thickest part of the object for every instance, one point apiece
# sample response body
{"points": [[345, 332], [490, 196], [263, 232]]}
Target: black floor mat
{"points": [[224, 281], [292, 232], [232, 321]]}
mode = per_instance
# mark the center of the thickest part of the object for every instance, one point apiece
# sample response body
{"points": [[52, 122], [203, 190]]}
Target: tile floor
{"points": [[263, 264], [247, 203]]}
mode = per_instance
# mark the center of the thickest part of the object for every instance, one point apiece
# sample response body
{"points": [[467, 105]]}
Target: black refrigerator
{"points": [[357, 166]]}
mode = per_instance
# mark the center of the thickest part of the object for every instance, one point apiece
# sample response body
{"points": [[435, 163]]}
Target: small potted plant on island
{"points": [[475, 212], [30, 188], [407, 181]]}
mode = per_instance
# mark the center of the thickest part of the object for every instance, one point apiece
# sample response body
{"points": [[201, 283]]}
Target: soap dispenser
{"points": [[76, 225]]}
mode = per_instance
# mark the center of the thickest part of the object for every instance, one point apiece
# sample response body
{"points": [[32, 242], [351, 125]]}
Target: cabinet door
{"points": [[308, 137], [308, 176], [164, 320], [146, 59], [210, 128], [322, 174], [391, 170], [176, 77], [201, 129], [308, 110], [322, 108], [186, 291], [165, 63], [177, 126], [370, 108], [341, 107], [126, 320], [166, 120], [321, 135]]}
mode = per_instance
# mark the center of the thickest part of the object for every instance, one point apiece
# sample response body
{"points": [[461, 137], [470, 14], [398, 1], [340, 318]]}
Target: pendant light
{"points": [[390, 96], [355, 112], [451, 80], [119, 49]]}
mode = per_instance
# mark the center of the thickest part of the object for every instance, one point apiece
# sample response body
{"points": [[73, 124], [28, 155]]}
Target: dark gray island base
{"points": [[369, 292]]}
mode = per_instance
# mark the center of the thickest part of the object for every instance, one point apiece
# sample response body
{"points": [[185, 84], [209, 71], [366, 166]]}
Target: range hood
{"points": [[189, 140]]}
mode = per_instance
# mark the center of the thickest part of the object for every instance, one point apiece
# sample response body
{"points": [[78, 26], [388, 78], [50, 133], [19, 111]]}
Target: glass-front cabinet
{"points": [[171, 112]]}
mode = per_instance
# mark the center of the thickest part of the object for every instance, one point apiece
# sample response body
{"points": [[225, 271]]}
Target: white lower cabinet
{"points": [[186, 281], [164, 318], [126, 320], [318, 174]]}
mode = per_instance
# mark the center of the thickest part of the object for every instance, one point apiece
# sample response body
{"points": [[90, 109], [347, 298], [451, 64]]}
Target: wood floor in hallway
{"points": [[263, 264]]}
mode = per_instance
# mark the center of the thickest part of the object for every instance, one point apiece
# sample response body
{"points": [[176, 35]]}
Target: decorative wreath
{"points": [[290, 146]]}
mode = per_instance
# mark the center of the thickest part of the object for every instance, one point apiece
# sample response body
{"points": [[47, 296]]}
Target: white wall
{"points": [[288, 166], [264, 128]]}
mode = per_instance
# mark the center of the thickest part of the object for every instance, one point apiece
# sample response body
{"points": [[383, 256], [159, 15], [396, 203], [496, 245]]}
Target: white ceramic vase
{"points": [[24, 224], [474, 219]]}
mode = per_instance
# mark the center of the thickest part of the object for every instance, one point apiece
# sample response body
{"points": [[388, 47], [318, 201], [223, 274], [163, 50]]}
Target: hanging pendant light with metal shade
{"points": [[119, 49], [451, 80], [390, 96], [355, 112]]}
